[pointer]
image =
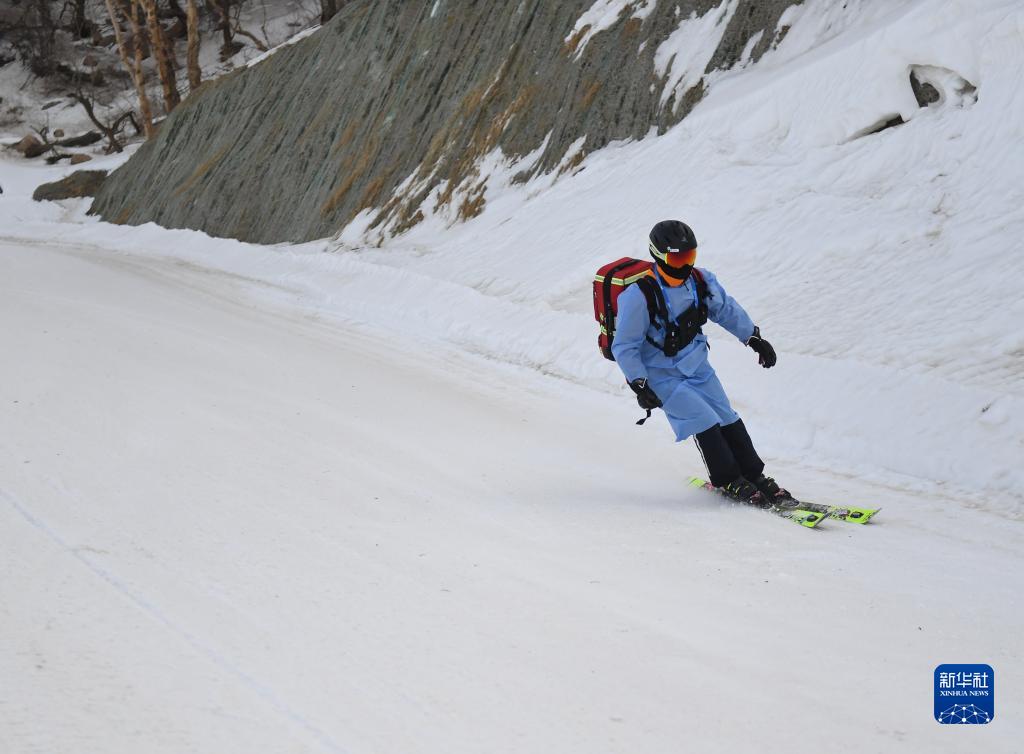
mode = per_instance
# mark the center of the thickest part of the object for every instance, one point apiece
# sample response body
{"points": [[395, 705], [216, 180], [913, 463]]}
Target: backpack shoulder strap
{"points": [[703, 294], [656, 308]]}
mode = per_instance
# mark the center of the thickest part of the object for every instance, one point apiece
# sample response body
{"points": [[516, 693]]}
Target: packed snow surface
{"points": [[229, 526], [348, 498]]}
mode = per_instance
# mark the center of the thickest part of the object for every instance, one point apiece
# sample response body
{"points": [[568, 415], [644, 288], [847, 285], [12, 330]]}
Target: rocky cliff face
{"points": [[392, 107]]}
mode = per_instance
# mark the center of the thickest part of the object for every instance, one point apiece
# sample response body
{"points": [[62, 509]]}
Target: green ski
{"points": [[796, 512], [846, 513], [850, 514]]}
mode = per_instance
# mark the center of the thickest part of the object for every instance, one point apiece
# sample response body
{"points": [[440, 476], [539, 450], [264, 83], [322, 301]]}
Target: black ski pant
{"points": [[729, 453]]}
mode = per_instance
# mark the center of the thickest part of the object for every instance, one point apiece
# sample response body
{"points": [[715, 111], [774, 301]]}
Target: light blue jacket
{"points": [[634, 354], [693, 398]]}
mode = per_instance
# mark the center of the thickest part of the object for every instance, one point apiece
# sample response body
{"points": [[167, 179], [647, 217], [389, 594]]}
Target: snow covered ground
{"points": [[229, 526], [276, 499]]}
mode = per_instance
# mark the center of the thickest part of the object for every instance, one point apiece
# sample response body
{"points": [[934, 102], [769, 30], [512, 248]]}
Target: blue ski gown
{"points": [[693, 397]]}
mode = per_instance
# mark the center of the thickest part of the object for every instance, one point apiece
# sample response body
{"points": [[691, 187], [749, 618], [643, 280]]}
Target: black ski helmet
{"points": [[670, 236]]}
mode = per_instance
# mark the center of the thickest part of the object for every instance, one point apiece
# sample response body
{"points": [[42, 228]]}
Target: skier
{"points": [[663, 353]]}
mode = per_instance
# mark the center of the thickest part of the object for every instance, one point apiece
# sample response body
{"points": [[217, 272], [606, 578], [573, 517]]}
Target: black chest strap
{"points": [[680, 332]]}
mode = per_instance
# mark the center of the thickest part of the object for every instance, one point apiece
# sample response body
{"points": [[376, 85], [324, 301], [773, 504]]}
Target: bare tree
{"points": [[229, 46], [144, 107], [134, 66], [111, 130], [260, 44], [195, 75], [164, 54], [34, 34], [236, 26], [49, 146], [177, 11], [81, 26]]}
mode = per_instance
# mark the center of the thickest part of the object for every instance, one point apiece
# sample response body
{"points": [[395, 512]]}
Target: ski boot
{"points": [[770, 489], [745, 492]]}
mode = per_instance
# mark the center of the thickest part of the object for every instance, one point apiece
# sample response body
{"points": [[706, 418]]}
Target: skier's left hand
{"points": [[763, 349]]}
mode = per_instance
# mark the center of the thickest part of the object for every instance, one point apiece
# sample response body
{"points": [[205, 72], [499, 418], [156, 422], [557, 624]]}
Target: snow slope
{"points": [[228, 526], [883, 267], [276, 499]]}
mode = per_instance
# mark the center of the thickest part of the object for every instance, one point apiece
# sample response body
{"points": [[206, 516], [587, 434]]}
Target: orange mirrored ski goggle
{"points": [[675, 258]]}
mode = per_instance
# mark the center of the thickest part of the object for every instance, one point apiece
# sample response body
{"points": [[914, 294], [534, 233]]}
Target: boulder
{"points": [[35, 149], [924, 91], [78, 159], [29, 142], [79, 183]]}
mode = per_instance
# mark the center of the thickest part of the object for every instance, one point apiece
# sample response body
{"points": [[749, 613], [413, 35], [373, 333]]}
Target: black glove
{"points": [[764, 350], [646, 397]]}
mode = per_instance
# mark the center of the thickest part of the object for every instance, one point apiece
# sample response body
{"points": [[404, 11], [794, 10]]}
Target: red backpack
{"points": [[612, 279], [609, 283]]}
